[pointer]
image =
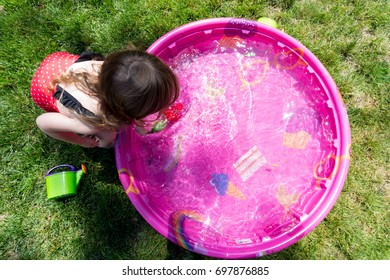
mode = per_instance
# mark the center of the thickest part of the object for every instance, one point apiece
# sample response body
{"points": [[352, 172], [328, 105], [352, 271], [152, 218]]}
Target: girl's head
{"points": [[132, 85]]}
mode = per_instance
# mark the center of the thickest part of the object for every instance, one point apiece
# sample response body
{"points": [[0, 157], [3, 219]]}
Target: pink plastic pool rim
{"points": [[260, 153]]}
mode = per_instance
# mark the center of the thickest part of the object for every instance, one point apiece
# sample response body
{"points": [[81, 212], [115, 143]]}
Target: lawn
{"points": [[351, 38]]}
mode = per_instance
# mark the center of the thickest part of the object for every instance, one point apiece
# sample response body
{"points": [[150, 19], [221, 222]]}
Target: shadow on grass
{"points": [[176, 252], [112, 224], [112, 228]]}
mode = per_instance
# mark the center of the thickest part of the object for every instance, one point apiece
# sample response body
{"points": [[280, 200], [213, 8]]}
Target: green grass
{"points": [[351, 38]]}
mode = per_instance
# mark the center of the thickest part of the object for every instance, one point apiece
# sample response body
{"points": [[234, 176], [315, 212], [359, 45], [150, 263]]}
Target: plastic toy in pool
{"points": [[259, 155]]}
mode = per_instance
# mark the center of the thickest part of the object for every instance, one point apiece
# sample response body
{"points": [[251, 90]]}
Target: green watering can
{"points": [[63, 183]]}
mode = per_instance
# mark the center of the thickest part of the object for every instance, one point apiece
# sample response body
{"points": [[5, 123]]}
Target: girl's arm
{"points": [[67, 129]]}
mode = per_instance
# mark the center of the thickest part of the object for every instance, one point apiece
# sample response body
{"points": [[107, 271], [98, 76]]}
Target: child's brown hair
{"points": [[133, 84]]}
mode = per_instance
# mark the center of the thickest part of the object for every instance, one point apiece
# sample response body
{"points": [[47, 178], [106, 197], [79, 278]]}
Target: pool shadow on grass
{"points": [[113, 225], [176, 252]]}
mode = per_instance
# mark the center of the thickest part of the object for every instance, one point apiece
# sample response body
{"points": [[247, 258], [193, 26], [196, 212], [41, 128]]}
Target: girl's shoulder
{"points": [[87, 62]]}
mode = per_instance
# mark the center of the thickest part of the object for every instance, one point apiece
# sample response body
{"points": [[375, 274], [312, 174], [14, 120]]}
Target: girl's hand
{"points": [[106, 138], [89, 141]]}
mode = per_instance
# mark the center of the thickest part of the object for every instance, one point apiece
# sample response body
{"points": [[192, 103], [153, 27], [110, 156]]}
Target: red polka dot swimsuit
{"points": [[52, 66]]}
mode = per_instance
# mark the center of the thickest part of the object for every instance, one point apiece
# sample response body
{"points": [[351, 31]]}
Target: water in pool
{"points": [[250, 156]]}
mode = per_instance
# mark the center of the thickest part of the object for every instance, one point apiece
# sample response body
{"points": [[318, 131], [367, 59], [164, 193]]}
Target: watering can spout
{"points": [[80, 173]]}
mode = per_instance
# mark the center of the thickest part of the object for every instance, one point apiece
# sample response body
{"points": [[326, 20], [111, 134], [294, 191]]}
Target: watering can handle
{"points": [[72, 168]]}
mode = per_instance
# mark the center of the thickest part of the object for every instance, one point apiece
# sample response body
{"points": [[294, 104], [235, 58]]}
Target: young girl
{"points": [[88, 98]]}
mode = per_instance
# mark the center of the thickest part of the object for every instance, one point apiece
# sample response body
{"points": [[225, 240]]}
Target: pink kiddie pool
{"points": [[260, 152]]}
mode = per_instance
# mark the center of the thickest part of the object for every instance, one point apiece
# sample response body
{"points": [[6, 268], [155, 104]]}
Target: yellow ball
{"points": [[268, 21]]}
